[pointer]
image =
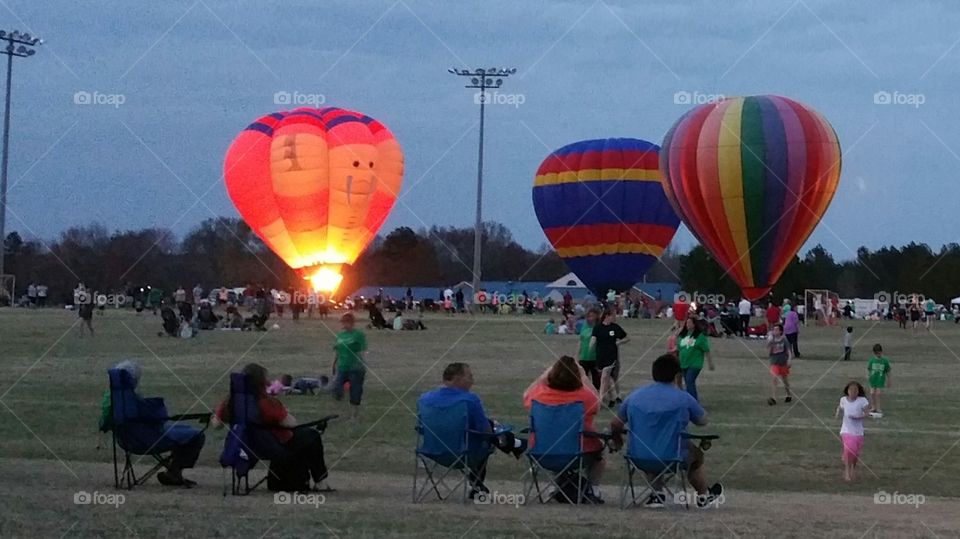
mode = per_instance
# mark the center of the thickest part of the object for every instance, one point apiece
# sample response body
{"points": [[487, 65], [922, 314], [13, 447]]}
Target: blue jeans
{"points": [[690, 381], [355, 378]]}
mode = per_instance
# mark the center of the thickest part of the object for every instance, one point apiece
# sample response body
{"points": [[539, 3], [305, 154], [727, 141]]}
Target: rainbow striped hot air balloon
{"points": [[315, 185], [602, 206], [751, 177]]}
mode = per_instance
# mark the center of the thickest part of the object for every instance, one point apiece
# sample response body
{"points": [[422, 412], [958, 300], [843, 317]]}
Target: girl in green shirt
{"points": [[694, 347], [588, 354]]}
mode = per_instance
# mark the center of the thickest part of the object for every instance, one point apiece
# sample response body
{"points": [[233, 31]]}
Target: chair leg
{"points": [[416, 474], [116, 470]]}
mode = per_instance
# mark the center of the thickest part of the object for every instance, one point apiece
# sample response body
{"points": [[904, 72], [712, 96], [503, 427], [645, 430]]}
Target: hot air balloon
{"points": [[315, 185], [602, 206], [751, 177]]}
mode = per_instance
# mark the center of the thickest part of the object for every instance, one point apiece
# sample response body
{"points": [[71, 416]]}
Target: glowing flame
{"points": [[326, 279]]}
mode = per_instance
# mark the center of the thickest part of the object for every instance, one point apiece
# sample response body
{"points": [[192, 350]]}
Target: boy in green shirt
{"points": [[878, 369], [588, 354], [350, 348]]}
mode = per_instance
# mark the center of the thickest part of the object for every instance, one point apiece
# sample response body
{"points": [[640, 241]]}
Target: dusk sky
{"points": [[176, 81]]}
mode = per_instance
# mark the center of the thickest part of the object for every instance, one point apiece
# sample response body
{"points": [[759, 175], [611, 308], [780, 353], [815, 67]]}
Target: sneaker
{"points": [[655, 500], [711, 497], [788, 399], [771, 401]]}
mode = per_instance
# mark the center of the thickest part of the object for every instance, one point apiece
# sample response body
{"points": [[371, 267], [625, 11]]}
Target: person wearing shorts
{"points": [[779, 351], [878, 370], [853, 408], [606, 340], [350, 348]]}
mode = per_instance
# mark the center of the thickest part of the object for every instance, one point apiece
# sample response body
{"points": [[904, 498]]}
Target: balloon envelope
{"points": [[751, 177], [602, 206], [315, 185]]}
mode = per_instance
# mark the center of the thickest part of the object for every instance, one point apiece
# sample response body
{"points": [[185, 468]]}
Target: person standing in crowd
{"points": [[773, 314], [180, 296], [32, 294], [606, 340], [85, 312], [197, 294], [567, 302], [350, 349], [791, 330], [42, 292], [693, 346], [588, 355], [459, 297], [930, 312], [744, 308]]}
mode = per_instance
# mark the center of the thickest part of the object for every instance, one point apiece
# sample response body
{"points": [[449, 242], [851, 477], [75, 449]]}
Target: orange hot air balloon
{"points": [[315, 185]]}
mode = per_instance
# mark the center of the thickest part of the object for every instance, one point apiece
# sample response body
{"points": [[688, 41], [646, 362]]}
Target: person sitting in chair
{"points": [[664, 395], [206, 318], [455, 387], [304, 444], [190, 440], [562, 383]]}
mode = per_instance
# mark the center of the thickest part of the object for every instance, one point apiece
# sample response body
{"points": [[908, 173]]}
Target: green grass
{"points": [[780, 464]]}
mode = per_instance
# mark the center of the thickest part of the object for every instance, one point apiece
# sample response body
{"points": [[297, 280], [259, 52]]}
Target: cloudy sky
{"points": [[177, 80]]}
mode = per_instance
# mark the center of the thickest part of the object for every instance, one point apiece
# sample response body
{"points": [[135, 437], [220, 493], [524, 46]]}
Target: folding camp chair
{"points": [[556, 434], [444, 449], [142, 426], [657, 452], [248, 441]]}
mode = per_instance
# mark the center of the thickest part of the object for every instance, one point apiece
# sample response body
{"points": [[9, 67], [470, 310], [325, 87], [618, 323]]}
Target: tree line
{"points": [[225, 252]]}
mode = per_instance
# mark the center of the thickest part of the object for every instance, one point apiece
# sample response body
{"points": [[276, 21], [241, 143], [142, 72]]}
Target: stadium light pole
{"points": [[20, 45], [483, 80]]}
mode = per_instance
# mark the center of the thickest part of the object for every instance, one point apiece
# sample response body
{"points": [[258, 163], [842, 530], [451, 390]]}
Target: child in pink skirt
{"points": [[855, 408]]}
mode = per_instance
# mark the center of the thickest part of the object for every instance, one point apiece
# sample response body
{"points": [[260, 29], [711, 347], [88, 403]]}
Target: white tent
{"points": [[955, 301], [569, 280]]}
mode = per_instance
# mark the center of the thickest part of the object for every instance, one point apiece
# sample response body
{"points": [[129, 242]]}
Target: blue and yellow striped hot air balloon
{"points": [[602, 206]]}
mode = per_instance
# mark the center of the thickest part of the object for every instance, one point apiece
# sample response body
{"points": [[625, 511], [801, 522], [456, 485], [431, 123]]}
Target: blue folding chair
{"points": [[557, 450], [657, 449], [248, 441], [444, 448], [142, 426]]}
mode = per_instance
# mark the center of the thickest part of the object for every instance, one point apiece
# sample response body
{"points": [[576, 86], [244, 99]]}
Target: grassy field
{"points": [[780, 464]]}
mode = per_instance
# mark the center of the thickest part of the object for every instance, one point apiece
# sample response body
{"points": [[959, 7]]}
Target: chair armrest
{"points": [[202, 417], [525, 430], [321, 421], [699, 436], [599, 435]]}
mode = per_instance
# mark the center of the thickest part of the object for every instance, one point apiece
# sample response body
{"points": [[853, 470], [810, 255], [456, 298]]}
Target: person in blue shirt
{"points": [[665, 398], [455, 388]]}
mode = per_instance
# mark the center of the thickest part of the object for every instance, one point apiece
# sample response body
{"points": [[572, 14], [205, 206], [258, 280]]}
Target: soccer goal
{"points": [[821, 307]]}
